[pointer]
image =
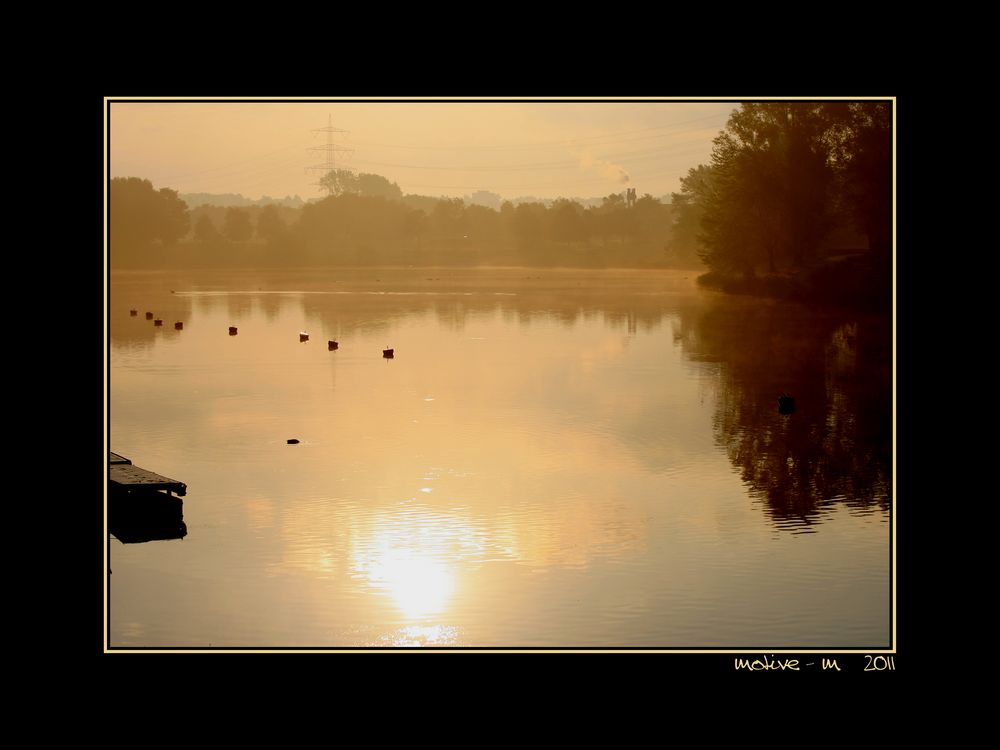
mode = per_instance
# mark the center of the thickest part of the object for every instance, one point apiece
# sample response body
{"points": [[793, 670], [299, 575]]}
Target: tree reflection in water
{"points": [[836, 446]]}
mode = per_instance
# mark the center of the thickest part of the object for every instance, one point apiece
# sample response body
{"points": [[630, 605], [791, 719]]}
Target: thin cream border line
{"points": [[748, 652], [488, 99], [105, 446], [892, 649], [894, 578]]}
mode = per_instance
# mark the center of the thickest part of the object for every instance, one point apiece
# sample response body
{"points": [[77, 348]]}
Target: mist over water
{"points": [[552, 458]]}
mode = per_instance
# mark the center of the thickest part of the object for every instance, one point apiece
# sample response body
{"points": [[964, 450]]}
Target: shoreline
{"points": [[855, 282]]}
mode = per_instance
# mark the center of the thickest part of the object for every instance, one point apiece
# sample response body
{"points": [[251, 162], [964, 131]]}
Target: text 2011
{"points": [[880, 663]]}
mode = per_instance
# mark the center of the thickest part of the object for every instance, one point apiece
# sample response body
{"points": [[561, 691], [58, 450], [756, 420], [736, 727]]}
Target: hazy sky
{"points": [[545, 149]]}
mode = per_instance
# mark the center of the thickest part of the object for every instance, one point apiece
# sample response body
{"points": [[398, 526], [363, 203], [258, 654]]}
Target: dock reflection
{"points": [[138, 517]]}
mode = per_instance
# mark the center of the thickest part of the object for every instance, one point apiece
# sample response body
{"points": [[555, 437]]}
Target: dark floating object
{"points": [[293, 441], [786, 404], [158, 322], [149, 316], [178, 326], [331, 345], [303, 336], [133, 313], [232, 330], [387, 353]]}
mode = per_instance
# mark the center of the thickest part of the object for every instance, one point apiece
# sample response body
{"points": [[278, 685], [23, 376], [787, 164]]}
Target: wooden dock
{"points": [[125, 477]]}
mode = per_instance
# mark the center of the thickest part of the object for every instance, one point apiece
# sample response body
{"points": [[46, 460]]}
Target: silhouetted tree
{"points": [[339, 181], [237, 227], [482, 228], [610, 217], [414, 226], [344, 181], [376, 186], [782, 176], [768, 207], [141, 215], [860, 141], [447, 219], [528, 222], [270, 225], [355, 229], [566, 221], [205, 231], [688, 211]]}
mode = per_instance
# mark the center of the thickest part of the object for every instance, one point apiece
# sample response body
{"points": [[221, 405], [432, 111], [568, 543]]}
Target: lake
{"points": [[552, 458]]}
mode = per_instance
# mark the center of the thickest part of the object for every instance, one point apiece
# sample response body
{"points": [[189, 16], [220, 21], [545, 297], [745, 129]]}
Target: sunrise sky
{"points": [[545, 149]]}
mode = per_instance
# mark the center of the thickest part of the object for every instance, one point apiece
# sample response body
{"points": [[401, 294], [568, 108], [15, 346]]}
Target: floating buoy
{"points": [[178, 326], [157, 322], [303, 336], [149, 316], [133, 313], [786, 404], [387, 353], [232, 330], [293, 441], [331, 345]]}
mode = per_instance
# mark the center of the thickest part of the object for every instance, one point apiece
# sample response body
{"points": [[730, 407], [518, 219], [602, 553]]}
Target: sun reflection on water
{"points": [[419, 635], [419, 584], [414, 557]]}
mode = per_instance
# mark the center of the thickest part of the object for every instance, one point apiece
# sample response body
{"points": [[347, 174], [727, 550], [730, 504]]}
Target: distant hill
{"points": [[194, 200], [585, 202]]}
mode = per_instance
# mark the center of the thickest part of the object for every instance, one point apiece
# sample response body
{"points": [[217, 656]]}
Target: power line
{"points": [[540, 165], [546, 144], [256, 171], [230, 164]]}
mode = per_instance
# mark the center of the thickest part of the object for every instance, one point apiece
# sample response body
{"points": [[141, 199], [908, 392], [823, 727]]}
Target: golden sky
{"points": [[546, 149]]}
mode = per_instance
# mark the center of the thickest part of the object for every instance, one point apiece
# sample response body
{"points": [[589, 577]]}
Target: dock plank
{"points": [[130, 477]]}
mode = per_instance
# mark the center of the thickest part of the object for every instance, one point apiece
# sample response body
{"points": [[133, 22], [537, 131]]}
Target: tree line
{"points": [[366, 220]]}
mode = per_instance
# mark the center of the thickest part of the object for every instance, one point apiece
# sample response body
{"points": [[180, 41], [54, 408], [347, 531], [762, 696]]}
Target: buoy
{"points": [[786, 404], [157, 322], [149, 316], [232, 330], [179, 326], [387, 353], [133, 313], [293, 441], [303, 336], [331, 345]]}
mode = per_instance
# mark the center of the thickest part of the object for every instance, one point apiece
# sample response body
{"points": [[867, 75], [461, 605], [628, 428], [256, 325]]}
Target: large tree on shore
{"points": [[141, 215], [782, 175], [687, 211], [860, 138], [769, 208]]}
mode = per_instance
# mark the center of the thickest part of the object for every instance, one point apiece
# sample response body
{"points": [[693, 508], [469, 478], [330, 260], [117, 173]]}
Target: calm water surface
{"points": [[552, 458]]}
